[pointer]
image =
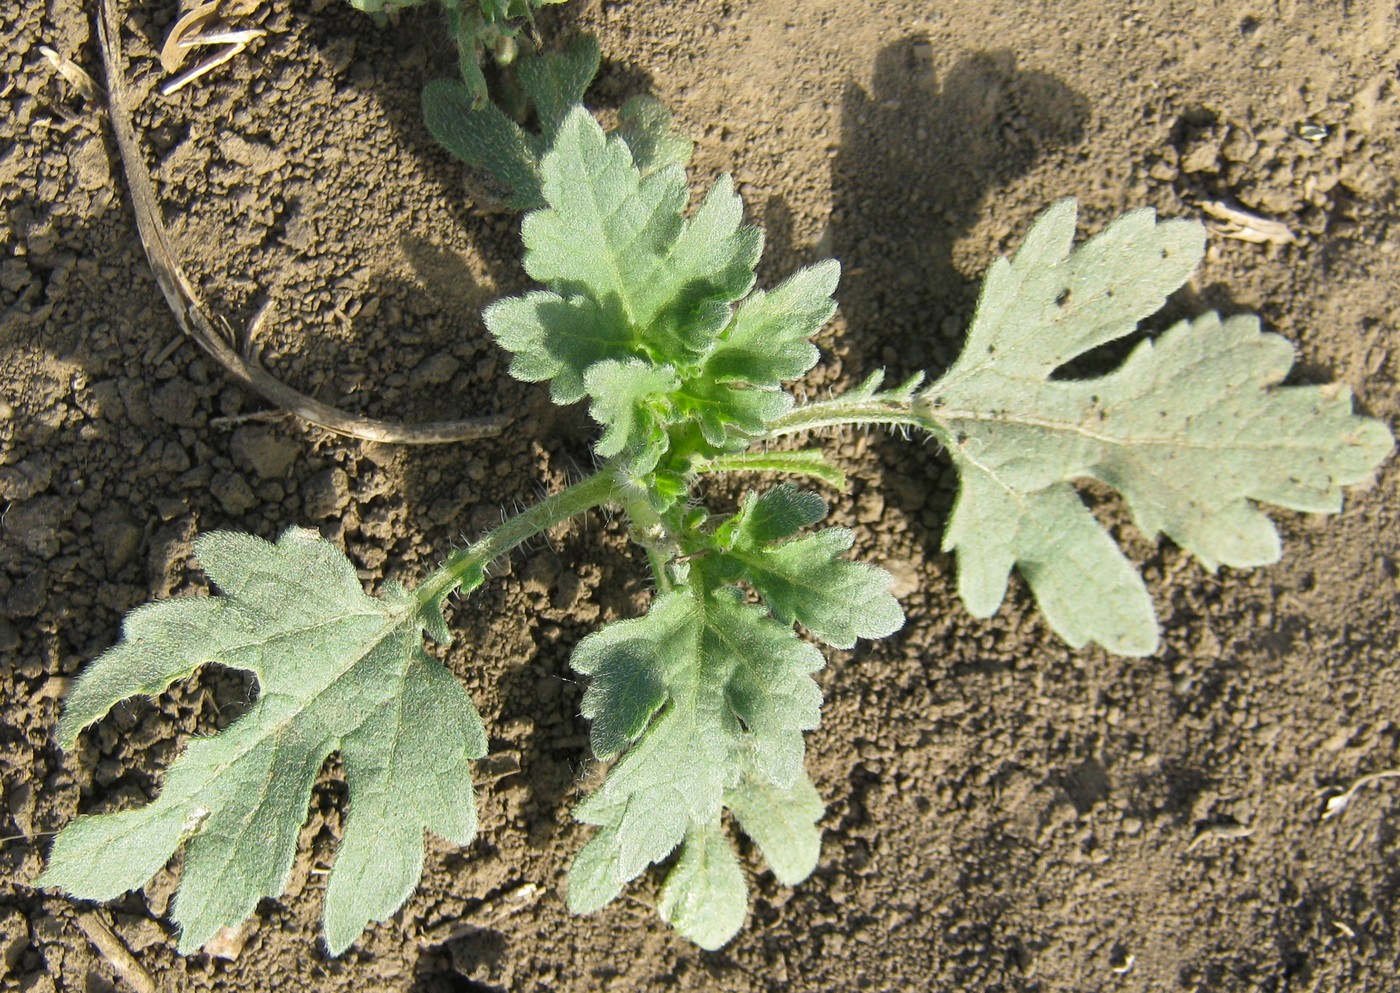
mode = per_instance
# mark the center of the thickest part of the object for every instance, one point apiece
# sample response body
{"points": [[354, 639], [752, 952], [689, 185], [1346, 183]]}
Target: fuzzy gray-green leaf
{"points": [[557, 81], [1193, 429], [708, 690], [705, 896], [337, 670], [782, 822], [806, 581], [504, 156], [646, 125]]}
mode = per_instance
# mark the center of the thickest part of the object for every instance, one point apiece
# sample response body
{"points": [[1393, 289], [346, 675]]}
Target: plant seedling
{"points": [[700, 705], [477, 27]]}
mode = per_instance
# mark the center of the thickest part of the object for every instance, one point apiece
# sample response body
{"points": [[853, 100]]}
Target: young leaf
{"points": [[775, 515], [634, 282], [630, 400], [646, 125], [505, 158], [782, 822], [481, 134], [609, 234], [710, 692], [556, 82], [1192, 429], [768, 342], [705, 897], [337, 670], [803, 580]]}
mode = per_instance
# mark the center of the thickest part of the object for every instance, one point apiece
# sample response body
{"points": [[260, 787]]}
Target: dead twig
{"points": [[1232, 222], [1220, 832], [175, 50], [1337, 804], [189, 312], [114, 950], [190, 33], [512, 901]]}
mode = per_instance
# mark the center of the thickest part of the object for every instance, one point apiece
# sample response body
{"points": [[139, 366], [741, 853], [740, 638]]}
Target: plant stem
{"points": [[650, 530], [462, 565], [806, 462], [883, 409]]}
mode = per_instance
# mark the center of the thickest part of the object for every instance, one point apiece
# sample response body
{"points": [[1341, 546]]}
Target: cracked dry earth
{"points": [[1004, 814]]}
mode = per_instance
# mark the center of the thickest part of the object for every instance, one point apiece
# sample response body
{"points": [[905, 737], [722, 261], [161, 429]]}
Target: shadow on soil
{"points": [[917, 160]]}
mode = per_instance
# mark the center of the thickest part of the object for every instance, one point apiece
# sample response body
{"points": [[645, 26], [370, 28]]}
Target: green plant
{"points": [[701, 704], [477, 27], [505, 158]]}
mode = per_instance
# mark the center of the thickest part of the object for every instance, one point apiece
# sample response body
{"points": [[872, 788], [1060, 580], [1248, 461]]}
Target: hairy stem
{"points": [[467, 562], [652, 531], [807, 462], [890, 409]]}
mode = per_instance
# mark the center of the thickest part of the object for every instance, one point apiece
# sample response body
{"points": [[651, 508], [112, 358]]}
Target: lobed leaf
{"points": [[782, 822], [804, 580], [1193, 429], [631, 399], [705, 896], [337, 670], [610, 234], [633, 282], [768, 343], [712, 695], [504, 157]]}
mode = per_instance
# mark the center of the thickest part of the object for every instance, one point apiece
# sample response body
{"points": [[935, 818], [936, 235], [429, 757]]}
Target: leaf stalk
{"points": [[468, 565]]}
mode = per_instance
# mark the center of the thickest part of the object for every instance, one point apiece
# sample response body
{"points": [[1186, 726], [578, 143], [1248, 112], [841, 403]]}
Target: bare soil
{"points": [[1004, 813]]}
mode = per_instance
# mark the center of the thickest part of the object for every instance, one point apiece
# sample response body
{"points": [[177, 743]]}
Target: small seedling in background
{"points": [[478, 27]]}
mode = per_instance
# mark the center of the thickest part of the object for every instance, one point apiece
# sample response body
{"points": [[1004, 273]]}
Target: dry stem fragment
{"points": [[1336, 804], [72, 72], [183, 299], [1244, 226], [175, 50], [1220, 832], [189, 33], [114, 950]]}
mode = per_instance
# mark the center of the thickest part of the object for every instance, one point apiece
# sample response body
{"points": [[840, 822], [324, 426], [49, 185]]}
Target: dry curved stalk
{"points": [[189, 312], [114, 950]]}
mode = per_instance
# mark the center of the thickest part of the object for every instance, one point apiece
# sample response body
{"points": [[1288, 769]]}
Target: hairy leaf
{"points": [[705, 897], [774, 515], [337, 670], [713, 695], [646, 125], [631, 400], [505, 156], [1192, 429], [633, 282], [804, 579], [610, 234], [556, 82], [768, 342], [783, 823]]}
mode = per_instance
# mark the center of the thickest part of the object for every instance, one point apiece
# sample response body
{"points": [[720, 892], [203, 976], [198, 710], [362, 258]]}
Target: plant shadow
{"points": [[918, 157], [920, 152]]}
